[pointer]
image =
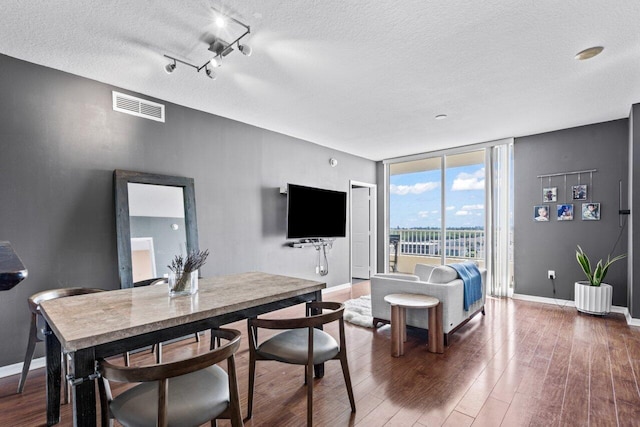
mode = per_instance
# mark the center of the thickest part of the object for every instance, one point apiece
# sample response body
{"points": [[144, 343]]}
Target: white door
{"points": [[143, 258], [361, 232]]}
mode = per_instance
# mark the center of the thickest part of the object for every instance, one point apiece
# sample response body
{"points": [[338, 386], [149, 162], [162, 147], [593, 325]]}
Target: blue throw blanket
{"points": [[472, 280]]}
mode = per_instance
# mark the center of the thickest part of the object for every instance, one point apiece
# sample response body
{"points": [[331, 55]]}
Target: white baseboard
{"points": [[630, 320], [545, 300], [336, 288], [568, 303], [16, 368]]}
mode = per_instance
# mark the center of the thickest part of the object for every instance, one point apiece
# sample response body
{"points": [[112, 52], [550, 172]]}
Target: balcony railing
{"points": [[466, 244]]}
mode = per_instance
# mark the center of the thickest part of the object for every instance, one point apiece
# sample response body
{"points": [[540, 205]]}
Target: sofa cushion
{"points": [[423, 271], [443, 274]]}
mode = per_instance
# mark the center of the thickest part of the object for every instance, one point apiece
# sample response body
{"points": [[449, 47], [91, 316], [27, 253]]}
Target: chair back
{"points": [[148, 282], [36, 299], [177, 368], [310, 321]]}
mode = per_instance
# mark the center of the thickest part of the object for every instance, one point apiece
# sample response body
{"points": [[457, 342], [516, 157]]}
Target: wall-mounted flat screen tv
{"points": [[315, 213]]}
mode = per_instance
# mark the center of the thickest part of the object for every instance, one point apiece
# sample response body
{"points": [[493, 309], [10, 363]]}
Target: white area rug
{"points": [[358, 311]]}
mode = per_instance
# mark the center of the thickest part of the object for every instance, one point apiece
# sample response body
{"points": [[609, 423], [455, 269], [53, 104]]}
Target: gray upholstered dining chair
{"points": [[302, 343], [36, 330], [186, 392]]}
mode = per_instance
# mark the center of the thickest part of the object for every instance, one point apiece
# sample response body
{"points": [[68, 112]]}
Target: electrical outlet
{"points": [[317, 270], [551, 274]]}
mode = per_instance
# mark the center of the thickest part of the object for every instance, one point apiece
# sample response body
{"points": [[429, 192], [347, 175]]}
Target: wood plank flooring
{"points": [[523, 364]]}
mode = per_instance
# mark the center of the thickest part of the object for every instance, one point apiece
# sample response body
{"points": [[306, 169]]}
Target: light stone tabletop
{"points": [[84, 321], [412, 300]]}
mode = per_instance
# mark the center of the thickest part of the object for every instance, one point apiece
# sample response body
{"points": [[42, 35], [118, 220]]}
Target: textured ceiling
{"points": [[364, 77]]}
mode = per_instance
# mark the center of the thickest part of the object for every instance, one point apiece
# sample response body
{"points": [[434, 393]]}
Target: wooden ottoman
{"points": [[399, 304]]}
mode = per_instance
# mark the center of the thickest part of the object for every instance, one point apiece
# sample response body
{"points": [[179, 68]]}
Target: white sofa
{"points": [[441, 282]]}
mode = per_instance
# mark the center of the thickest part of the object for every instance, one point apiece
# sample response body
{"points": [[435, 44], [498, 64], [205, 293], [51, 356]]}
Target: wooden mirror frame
{"points": [[121, 179]]}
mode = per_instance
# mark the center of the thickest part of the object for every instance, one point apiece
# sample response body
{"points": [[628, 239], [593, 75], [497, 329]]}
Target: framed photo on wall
{"points": [[550, 194], [579, 192], [541, 213], [591, 211], [565, 212]]}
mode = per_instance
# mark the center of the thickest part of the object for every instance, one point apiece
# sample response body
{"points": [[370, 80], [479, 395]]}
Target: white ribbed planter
{"points": [[593, 299]]}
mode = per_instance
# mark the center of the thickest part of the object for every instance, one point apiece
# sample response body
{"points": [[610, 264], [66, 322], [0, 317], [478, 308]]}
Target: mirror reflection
{"points": [[157, 226]]}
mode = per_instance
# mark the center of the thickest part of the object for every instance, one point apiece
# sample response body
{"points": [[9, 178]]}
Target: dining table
{"points": [[94, 326]]}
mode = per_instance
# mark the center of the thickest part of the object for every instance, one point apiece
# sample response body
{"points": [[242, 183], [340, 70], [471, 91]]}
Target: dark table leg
{"points": [[84, 392], [318, 369], [54, 372]]}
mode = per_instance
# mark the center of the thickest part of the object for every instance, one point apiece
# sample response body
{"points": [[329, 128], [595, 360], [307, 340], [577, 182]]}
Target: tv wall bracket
{"points": [[316, 243], [319, 245]]}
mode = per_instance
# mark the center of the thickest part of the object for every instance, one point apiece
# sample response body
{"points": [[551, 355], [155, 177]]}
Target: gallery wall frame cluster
{"points": [[567, 189]]}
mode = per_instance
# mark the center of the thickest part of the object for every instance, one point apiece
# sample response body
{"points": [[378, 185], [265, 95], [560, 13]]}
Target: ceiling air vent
{"points": [[138, 107]]}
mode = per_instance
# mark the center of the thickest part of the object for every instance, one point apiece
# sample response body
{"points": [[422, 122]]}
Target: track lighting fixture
{"points": [[221, 22], [218, 46], [215, 62], [245, 49], [210, 73], [170, 67]]}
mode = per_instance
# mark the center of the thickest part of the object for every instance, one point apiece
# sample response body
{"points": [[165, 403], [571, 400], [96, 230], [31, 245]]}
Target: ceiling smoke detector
{"points": [[589, 53]]}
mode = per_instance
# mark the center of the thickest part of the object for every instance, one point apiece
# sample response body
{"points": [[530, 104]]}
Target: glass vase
{"points": [[181, 283]]}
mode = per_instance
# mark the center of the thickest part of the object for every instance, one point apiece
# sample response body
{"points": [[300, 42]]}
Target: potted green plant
{"points": [[592, 295]]}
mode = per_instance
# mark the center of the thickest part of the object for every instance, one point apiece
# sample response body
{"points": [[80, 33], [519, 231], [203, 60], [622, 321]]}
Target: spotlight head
{"points": [[210, 73], [169, 68], [220, 21], [215, 61], [245, 49]]}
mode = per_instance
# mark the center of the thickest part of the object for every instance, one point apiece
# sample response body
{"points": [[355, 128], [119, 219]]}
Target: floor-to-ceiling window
{"points": [[437, 210], [464, 213], [453, 207], [415, 213]]}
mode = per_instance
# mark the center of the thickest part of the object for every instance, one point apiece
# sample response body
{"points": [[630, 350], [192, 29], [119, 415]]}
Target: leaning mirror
{"points": [[155, 220]]}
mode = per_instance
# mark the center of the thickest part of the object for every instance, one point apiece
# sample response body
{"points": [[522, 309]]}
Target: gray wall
{"points": [[60, 141], [167, 243], [543, 246]]}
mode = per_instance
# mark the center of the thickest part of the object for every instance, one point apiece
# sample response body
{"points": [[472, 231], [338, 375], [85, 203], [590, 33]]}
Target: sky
{"points": [[415, 198]]}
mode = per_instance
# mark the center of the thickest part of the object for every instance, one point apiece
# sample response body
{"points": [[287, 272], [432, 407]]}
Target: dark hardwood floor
{"points": [[522, 364]]}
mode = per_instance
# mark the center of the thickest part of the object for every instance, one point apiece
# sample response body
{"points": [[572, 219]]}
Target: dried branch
{"points": [[193, 262]]}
